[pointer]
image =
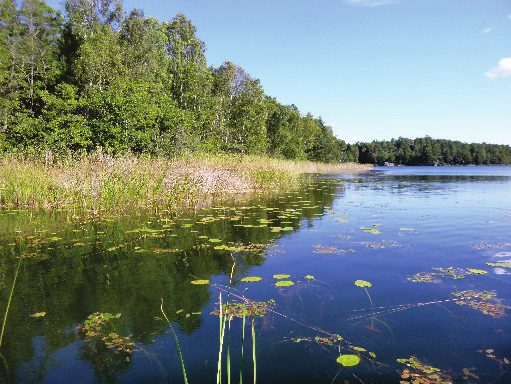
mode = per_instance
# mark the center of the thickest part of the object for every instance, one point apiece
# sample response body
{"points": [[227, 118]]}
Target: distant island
{"points": [[427, 151]]}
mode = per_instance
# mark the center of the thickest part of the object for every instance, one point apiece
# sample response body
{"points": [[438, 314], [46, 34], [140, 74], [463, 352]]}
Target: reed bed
{"points": [[101, 182]]}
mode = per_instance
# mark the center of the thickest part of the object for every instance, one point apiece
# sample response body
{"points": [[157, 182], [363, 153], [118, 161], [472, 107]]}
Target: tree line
{"points": [[100, 77], [428, 151]]}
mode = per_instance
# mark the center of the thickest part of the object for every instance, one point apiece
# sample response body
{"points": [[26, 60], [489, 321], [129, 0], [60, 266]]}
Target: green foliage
{"points": [[348, 360], [428, 151], [121, 82]]}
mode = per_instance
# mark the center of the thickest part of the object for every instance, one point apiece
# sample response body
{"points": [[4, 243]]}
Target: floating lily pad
{"points": [[503, 265], [348, 360], [281, 276], [363, 283], [200, 282], [476, 271], [284, 283], [252, 279]]}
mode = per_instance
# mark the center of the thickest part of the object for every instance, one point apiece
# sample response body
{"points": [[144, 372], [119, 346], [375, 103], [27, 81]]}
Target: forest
{"points": [[428, 151], [100, 77]]}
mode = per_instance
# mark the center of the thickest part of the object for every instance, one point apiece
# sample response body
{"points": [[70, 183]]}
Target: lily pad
{"points": [[284, 283], [363, 283], [503, 265], [348, 360], [283, 276], [252, 279], [476, 271]]}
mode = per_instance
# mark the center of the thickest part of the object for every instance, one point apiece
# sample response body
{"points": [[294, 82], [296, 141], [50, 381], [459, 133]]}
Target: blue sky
{"points": [[372, 69]]}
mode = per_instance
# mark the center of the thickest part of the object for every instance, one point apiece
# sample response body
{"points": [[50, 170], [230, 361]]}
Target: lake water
{"points": [[433, 242]]}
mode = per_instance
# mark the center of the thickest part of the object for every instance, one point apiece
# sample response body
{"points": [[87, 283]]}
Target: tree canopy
{"points": [[428, 151], [101, 77]]}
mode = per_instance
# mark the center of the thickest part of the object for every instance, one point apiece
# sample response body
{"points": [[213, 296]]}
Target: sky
{"points": [[371, 69]]}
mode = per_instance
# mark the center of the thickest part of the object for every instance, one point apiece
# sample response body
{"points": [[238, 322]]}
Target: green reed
{"points": [[177, 343], [9, 301], [100, 182]]}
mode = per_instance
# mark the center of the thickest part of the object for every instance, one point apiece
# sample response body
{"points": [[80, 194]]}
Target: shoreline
{"points": [[100, 182]]}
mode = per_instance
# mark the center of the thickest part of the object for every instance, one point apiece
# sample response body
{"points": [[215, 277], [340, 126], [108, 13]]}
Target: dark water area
{"points": [[433, 242]]}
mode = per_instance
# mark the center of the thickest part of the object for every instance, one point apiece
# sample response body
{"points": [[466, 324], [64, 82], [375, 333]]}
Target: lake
{"points": [[402, 273]]}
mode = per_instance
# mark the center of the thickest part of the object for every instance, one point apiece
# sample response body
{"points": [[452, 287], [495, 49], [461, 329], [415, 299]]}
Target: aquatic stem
{"points": [[242, 342], [364, 284], [223, 319], [372, 307], [254, 348], [177, 343], [229, 352], [9, 301]]}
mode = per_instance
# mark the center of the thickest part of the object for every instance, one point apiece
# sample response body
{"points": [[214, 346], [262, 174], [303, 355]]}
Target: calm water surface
{"points": [[422, 236]]}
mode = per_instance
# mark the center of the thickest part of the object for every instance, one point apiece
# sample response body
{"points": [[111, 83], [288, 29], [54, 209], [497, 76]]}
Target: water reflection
{"points": [[381, 227], [72, 268]]}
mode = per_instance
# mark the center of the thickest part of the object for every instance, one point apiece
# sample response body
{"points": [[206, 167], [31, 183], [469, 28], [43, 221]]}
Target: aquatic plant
{"points": [[177, 343], [501, 265], [99, 325], [450, 272], [9, 301], [418, 373], [322, 249], [348, 360], [99, 182], [284, 283], [479, 300], [365, 284]]}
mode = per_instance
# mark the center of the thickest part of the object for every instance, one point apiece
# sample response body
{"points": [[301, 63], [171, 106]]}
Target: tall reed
{"points": [[101, 182], [9, 302], [177, 343]]}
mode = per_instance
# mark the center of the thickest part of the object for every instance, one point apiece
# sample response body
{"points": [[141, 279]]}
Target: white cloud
{"points": [[502, 69], [487, 30], [369, 3]]}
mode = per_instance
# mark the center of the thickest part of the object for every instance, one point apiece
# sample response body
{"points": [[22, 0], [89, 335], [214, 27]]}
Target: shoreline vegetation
{"points": [[100, 182]]}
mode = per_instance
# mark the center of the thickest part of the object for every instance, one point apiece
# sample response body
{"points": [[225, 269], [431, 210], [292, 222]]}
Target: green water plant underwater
{"points": [[98, 327]]}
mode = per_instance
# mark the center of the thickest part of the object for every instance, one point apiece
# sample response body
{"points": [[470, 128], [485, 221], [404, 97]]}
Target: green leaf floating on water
{"points": [[282, 276], [284, 283], [252, 279], [476, 271], [503, 265], [348, 360], [200, 282], [363, 283], [310, 277]]}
